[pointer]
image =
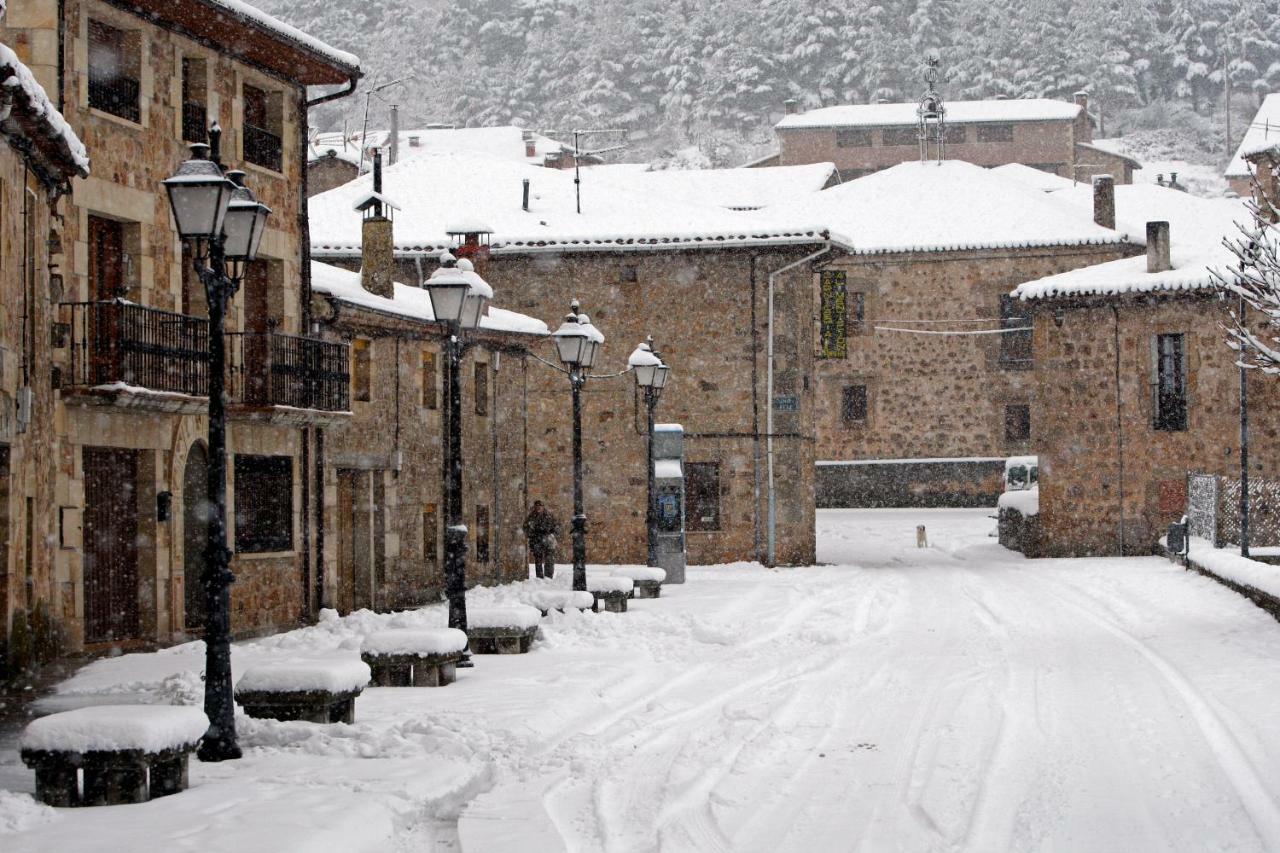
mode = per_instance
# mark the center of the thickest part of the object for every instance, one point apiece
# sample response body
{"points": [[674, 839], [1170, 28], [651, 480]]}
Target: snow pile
{"points": [[505, 142], [736, 189], [1263, 134], [667, 469], [1025, 501], [150, 728], [610, 583], [334, 674], [17, 77], [958, 112], [19, 813], [512, 616], [1229, 565], [641, 573], [948, 206], [401, 641], [561, 600]]}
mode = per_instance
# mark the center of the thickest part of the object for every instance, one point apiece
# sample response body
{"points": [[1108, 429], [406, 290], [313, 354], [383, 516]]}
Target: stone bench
{"points": [[128, 753], [502, 630], [648, 580], [612, 591], [316, 691], [425, 657], [562, 600]]}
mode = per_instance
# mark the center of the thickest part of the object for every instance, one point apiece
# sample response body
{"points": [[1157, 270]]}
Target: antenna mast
{"points": [[931, 114]]}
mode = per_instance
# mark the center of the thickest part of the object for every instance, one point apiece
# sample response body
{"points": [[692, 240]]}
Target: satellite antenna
{"points": [[579, 152], [931, 114]]}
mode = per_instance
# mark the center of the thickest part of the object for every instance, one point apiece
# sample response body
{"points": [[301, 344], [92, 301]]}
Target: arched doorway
{"points": [[195, 526]]}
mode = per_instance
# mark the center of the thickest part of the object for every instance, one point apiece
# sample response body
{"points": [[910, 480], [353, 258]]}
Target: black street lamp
{"points": [[458, 299], [651, 377], [223, 223], [578, 342]]}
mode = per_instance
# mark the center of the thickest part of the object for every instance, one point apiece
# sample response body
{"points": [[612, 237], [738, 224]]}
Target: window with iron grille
{"points": [[891, 136], [957, 134], [853, 404], [263, 127], [702, 495], [1015, 342], [114, 64], [1017, 422], [482, 388], [264, 503], [995, 133], [855, 138], [430, 381], [482, 534], [430, 535], [1171, 382], [195, 115], [856, 306]]}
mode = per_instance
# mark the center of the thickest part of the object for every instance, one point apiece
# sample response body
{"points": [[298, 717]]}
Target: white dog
{"points": [[922, 538]]}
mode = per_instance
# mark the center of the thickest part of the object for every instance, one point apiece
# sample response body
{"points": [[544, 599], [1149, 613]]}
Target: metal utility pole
{"points": [[364, 130], [1244, 445], [395, 134]]}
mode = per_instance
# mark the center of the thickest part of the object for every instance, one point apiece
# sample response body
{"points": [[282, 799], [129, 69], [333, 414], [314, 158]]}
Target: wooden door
{"points": [[257, 325], [5, 593], [110, 544], [355, 558], [106, 259], [195, 533]]}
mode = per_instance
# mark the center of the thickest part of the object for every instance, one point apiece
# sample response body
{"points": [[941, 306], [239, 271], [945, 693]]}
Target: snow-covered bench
{"points": [[613, 591], [647, 580], [129, 753], [317, 691], [502, 630], [563, 600], [425, 657]]}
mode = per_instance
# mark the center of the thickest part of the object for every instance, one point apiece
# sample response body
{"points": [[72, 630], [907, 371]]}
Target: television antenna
{"points": [[579, 134], [364, 131]]}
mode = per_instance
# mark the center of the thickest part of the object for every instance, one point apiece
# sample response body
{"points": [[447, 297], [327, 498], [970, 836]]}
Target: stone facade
{"points": [[328, 171], [1106, 471], [931, 396]]}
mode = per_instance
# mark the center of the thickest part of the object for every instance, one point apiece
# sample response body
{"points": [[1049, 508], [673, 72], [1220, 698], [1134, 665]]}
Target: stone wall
{"points": [[1084, 438], [967, 483]]}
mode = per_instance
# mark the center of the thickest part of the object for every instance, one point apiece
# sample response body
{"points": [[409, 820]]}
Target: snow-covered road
{"points": [[951, 698]]}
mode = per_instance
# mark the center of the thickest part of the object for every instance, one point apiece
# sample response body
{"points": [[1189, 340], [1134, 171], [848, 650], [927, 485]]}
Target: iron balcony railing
{"points": [[262, 147], [272, 369], [194, 122], [119, 342], [117, 95]]}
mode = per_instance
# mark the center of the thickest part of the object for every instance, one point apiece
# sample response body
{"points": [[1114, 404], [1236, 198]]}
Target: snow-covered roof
{"points": [[958, 112], [505, 142], [290, 33], [1197, 227], [1263, 132], [736, 189], [36, 114], [1111, 148], [412, 303], [436, 189], [949, 206], [1033, 177]]}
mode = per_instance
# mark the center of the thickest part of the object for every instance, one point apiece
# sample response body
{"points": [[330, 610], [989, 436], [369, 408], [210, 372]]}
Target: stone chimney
{"points": [[1104, 200], [377, 255], [530, 146], [791, 106], [394, 153], [1158, 247], [1082, 100]]}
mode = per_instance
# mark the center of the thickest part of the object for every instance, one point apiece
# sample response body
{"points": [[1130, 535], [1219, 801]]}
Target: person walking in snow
{"points": [[541, 529]]}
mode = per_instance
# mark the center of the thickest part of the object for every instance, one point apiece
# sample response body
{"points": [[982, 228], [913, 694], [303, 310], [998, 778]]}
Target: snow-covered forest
{"points": [[684, 71]]}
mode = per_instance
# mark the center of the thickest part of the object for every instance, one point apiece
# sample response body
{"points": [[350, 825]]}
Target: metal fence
{"points": [[272, 369], [118, 341], [1213, 510]]}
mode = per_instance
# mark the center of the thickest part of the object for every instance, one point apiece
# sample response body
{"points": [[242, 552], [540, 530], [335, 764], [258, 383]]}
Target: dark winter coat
{"points": [[538, 526]]}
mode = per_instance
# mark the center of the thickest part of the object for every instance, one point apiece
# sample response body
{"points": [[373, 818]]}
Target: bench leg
{"points": [[508, 645], [169, 775], [110, 781], [342, 711], [615, 605], [57, 784], [595, 605], [525, 644], [426, 675], [448, 673]]}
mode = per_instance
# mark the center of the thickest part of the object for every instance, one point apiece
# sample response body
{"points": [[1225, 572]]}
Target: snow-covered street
{"points": [[953, 698]]}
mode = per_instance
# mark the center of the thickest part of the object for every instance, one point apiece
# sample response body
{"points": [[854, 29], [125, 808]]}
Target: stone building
{"points": [[384, 469], [697, 278], [1262, 132], [1053, 136], [138, 80], [39, 158], [1135, 386], [330, 168], [923, 379]]}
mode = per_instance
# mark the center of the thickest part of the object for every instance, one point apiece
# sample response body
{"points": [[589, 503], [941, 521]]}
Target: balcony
{"points": [[117, 95], [262, 147], [130, 355], [195, 121]]}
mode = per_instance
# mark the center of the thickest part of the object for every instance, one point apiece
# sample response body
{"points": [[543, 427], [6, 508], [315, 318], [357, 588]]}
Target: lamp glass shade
{"points": [[448, 291], [244, 225], [660, 374], [199, 196], [570, 340], [590, 348], [645, 374], [473, 309]]}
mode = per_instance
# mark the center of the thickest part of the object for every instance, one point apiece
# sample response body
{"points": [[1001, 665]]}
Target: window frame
{"points": [[431, 534], [995, 132], [187, 119], [1022, 411], [855, 137], [697, 488], [1178, 418], [361, 370], [483, 530], [102, 94], [1017, 345], [429, 376], [480, 386], [850, 404], [262, 143], [269, 500]]}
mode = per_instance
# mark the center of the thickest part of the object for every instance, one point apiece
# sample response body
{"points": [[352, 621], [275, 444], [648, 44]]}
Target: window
{"points": [[900, 136], [430, 535], [430, 381], [859, 138], [1015, 342], [482, 534], [853, 405], [415, 142], [995, 133], [1171, 382], [115, 59], [857, 312], [263, 127], [833, 316], [264, 503], [482, 388], [957, 134], [106, 259], [1017, 422], [195, 116], [628, 274], [702, 495], [361, 370]]}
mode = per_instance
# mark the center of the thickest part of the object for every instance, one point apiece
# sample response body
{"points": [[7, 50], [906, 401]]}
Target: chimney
{"points": [[1104, 200], [395, 136], [791, 106], [1158, 247], [377, 255], [1082, 100], [525, 205], [530, 146], [1160, 179]]}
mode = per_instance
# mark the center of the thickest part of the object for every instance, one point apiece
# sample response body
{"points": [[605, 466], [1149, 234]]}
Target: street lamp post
{"points": [[458, 299], [578, 342], [651, 377], [223, 223]]}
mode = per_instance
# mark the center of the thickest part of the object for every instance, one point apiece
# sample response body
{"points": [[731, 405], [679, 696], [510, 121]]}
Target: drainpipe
{"points": [[771, 550]]}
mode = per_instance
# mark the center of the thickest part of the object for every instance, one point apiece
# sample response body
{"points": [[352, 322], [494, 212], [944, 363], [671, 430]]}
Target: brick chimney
{"points": [[791, 106], [530, 146], [1158, 247], [472, 243], [377, 256], [1104, 200]]}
